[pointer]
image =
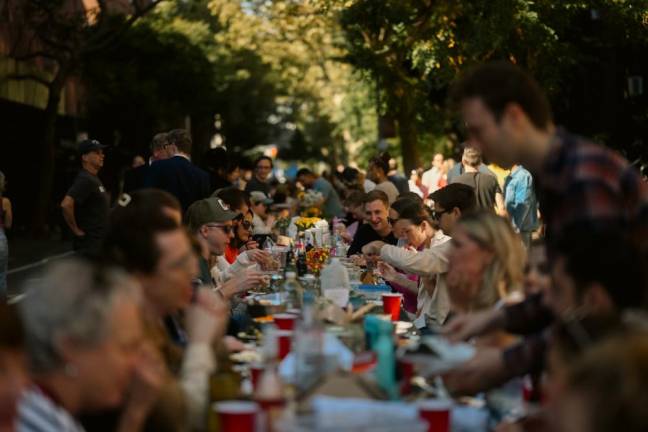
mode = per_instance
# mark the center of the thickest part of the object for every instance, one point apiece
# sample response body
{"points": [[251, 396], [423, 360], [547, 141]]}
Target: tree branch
{"points": [[33, 55], [99, 45]]}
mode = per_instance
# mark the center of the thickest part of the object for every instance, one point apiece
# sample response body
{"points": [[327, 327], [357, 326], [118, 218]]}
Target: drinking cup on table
{"points": [[436, 412], [256, 370], [285, 321], [237, 416], [392, 304], [284, 343]]}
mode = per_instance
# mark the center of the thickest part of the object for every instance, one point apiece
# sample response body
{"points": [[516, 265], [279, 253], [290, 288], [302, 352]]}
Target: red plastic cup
{"points": [[255, 374], [237, 416], [436, 413], [284, 342], [406, 368], [285, 321], [391, 304]]}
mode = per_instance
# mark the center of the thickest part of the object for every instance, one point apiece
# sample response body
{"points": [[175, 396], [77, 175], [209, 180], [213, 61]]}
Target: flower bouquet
{"points": [[303, 223], [316, 258]]}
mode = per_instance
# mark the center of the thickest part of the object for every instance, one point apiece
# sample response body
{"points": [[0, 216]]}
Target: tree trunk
{"points": [[406, 117], [47, 151]]}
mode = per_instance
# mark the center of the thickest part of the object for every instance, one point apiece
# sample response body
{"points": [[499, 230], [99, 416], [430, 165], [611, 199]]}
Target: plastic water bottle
{"points": [[308, 348], [335, 275], [293, 290], [386, 368]]}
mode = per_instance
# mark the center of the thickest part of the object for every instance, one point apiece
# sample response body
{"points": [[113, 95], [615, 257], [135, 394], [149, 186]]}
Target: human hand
{"points": [[207, 318], [484, 371], [259, 256], [270, 220], [242, 282], [466, 326], [149, 377], [372, 249], [358, 260], [233, 345], [250, 245], [79, 232], [387, 272]]}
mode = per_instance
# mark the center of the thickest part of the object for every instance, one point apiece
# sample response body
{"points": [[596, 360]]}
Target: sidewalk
{"points": [[28, 256]]}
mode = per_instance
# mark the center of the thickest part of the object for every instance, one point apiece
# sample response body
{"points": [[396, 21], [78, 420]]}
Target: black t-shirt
{"points": [[365, 235], [91, 204], [485, 186]]}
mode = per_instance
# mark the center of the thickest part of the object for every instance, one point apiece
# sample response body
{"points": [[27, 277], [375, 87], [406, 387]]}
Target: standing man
{"points": [[86, 204], [432, 176], [521, 203], [260, 180], [579, 183], [177, 175], [460, 168], [331, 204], [377, 172], [487, 190], [135, 178]]}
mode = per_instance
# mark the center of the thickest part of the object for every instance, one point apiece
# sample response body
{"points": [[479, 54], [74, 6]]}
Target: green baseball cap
{"points": [[208, 210]]}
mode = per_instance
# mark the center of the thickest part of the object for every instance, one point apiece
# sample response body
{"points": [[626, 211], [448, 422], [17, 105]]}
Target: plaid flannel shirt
{"points": [[591, 185]]}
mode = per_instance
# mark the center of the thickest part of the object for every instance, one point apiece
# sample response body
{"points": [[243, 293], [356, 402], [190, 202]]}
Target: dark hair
{"points": [[355, 198], [604, 256], [234, 197], [221, 161], [181, 139], [350, 175], [381, 163], [377, 195], [498, 84], [130, 240], [416, 212], [159, 141], [260, 158], [456, 195], [304, 172], [409, 195], [402, 202]]}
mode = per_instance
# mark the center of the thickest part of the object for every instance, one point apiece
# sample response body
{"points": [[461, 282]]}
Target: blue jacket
{"points": [[520, 199], [181, 178]]}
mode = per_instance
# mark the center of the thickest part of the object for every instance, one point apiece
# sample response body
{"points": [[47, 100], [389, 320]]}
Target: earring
{"points": [[71, 370]]}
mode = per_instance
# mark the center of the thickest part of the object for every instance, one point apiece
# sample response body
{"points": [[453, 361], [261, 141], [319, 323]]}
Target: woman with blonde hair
{"points": [[486, 263]]}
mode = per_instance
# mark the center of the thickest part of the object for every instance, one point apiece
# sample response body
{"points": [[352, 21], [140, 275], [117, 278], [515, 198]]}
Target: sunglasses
{"points": [[226, 228], [436, 214], [245, 224]]}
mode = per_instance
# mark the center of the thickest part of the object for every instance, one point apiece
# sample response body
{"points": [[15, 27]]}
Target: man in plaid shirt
{"points": [[579, 184]]}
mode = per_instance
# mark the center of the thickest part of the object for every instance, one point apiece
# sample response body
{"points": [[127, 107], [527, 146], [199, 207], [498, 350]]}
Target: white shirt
{"points": [[430, 179], [369, 185], [259, 225], [431, 264], [39, 413]]}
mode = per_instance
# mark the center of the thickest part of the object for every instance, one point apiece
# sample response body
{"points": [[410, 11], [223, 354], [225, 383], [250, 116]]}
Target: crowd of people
{"points": [[541, 266]]}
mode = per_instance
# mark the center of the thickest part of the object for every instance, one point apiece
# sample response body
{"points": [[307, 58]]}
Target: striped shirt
{"points": [[38, 413]]}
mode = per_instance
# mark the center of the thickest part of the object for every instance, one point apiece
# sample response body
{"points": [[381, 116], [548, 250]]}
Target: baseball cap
{"points": [[88, 145], [208, 210], [258, 197]]}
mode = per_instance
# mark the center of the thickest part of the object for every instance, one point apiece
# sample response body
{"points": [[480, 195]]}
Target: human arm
{"points": [[500, 208], [67, 206], [482, 372], [8, 213], [206, 321], [467, 326], [390, 274], [427, 262], [241, 282]]}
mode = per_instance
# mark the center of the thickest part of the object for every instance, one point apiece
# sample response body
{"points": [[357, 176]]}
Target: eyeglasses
{"points": [[245, 224], [226, 228], [436, 214]]}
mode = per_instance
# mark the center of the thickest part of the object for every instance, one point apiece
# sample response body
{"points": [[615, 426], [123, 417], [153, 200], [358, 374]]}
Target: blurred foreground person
{"points": [[606, 389], [13, 367], [180, 320], [86, 349]]}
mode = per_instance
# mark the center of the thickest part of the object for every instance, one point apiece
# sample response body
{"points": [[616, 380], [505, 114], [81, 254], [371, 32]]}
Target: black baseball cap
{"points": [[89, 145]]}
